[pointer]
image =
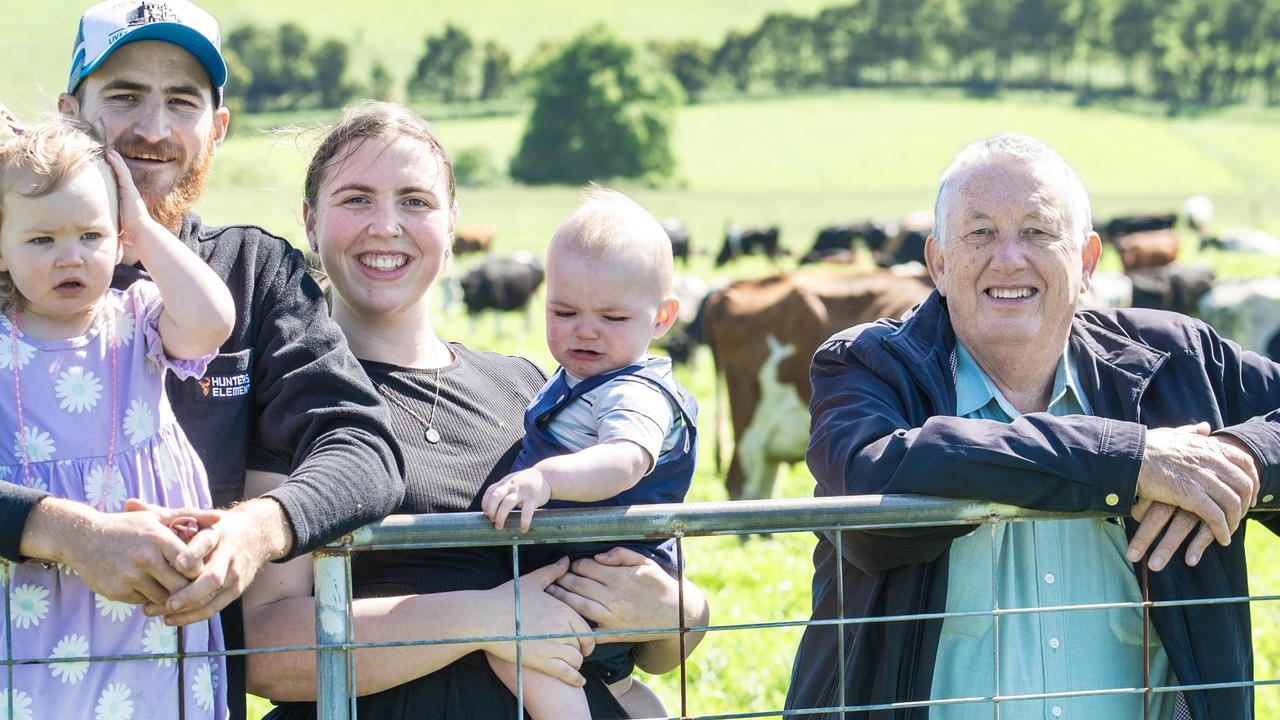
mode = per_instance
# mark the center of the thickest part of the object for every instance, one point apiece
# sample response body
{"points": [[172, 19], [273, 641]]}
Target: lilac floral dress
{"points": [[67, 417]]}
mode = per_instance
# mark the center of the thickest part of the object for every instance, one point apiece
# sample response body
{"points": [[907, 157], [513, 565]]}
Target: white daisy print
{"points": [[139, 423], [21, 705], [160, 639], [105, 492], [28, 604], [124, 329], [77, 389], [39, 446], [203, 685], [8, 354], [168, 468], [66, 570], [68, 647], [114, 703], [117, 611]]}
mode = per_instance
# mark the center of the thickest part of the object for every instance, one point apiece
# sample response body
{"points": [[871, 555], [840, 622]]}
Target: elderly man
{"points": [[996, 389], [284, 397]]}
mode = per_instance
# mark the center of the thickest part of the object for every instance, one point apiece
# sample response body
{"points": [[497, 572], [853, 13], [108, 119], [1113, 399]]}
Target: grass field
{"points": [[801, 163], [37, 36]]}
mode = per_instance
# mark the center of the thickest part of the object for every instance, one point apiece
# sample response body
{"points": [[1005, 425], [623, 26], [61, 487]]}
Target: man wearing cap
{"points": [[284, 397]]}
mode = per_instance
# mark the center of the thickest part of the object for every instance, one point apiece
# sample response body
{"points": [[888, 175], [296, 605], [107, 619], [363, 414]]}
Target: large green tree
{"points": [[599, 112], [447, 69]]}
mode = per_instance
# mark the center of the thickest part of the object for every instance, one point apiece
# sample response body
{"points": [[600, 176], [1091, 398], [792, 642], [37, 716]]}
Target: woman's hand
{"points": [[542, 614], [624, 590]]}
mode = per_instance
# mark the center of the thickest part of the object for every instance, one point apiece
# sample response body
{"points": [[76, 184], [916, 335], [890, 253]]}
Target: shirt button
{"points": [[1268, 498], [1112, 499], [1049, 578], [1053, 643], [1057, 711]]}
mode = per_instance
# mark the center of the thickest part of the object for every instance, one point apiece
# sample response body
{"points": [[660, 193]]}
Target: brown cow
{"points": [[1148, 248], [772, 327], [469, 239]]}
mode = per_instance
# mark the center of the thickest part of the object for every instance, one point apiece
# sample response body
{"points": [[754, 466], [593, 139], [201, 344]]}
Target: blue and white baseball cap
{"points": [[108, 25]]}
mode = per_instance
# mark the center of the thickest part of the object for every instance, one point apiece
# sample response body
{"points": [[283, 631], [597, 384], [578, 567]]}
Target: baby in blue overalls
{"points": [[611, 426]]}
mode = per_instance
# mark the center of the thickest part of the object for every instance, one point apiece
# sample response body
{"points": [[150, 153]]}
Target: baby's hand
{"points": [[136, 223], [527, 489], [185, 527]]}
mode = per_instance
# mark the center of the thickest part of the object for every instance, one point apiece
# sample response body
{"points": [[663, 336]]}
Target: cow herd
{"points": [[761, 332]]}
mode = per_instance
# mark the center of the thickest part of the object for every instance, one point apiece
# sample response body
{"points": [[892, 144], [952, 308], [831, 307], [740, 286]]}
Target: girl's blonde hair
{"points": [[41, 158]]}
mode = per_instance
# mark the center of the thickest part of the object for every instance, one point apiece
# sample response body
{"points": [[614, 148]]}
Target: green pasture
{"points": [[801, 163], [35, 37], [804, 162]]}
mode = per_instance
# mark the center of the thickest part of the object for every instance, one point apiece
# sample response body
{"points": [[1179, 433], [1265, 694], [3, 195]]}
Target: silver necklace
{"points": [[430, 434]]}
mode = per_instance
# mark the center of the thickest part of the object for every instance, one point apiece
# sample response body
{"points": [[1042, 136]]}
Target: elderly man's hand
{"points": [[1188, 476]]}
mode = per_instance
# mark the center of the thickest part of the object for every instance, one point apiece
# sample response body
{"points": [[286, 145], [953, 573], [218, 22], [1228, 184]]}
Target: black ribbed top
{"points": [[479, 415]]}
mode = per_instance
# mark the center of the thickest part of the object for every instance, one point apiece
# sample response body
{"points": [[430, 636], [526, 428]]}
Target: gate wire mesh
{"points": [[335, 645]]}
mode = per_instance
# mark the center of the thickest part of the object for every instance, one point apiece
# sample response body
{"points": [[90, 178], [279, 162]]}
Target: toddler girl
{"points": [[84, 417]]}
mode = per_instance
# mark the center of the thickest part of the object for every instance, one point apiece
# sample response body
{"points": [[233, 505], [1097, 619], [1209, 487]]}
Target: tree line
{"points": [[1175, 51]]}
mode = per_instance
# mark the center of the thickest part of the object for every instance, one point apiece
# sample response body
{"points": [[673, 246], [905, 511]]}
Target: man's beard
{"points": [[169, 208]]}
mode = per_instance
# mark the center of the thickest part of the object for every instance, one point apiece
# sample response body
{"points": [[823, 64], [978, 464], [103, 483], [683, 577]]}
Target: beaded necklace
{"points": [[24, 439]]}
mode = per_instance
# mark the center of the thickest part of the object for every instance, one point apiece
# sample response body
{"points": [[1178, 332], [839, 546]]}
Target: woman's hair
{"points": [[371, 120], [42, 158]]}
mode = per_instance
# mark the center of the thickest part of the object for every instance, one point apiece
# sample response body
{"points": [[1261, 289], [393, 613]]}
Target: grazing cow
{"points": [[1107, 290], [906, 245], [797, 312], [1250, 241], [1129, 224], [506, 282], [1247, 311], [469, 239], [678, 232], [837, 242], [1147, 249], [751, 241], [1175, 287]]}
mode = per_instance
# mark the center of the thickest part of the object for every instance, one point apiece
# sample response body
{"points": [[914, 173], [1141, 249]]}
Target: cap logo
{"points": [[151, 12]]}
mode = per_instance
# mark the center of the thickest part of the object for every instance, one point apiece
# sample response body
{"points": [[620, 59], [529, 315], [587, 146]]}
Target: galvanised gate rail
{"points": [[335, 642], [335, 645]]}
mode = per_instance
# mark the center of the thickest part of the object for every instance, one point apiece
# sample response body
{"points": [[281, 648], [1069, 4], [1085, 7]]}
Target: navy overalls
{"points": [[667, 483]]}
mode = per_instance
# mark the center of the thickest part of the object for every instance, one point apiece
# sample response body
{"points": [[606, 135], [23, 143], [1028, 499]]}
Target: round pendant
{"points": [[433, 435]]}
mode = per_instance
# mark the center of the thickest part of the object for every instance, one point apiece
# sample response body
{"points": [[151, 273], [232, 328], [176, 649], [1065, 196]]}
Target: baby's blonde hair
{"points": [[610, 226], [48, 154]]}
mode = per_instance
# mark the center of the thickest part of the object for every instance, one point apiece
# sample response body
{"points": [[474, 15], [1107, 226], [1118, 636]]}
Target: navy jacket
{"points": [[883, 422]]}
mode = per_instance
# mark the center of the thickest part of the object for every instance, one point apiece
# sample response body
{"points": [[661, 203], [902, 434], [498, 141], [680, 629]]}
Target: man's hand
{"points": [[527, 489], [1188, 476], [126, 557], [233, 544]]}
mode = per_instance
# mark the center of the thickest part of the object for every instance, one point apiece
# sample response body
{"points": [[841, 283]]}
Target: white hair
{"points": [[1020, 148]]}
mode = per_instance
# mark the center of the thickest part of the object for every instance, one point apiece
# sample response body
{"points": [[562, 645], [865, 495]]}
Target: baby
{"points": [[612, 426]]}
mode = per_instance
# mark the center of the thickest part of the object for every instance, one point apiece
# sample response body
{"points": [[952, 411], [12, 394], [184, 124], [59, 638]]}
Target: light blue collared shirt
{"points": [[1042, 564]]}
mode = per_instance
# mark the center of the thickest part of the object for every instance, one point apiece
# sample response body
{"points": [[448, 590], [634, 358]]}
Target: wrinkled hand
{"points": [[126, 557], [1193, 477], [1209, 476], [542, 614], [233, 549], [527, 489], [621, 590], [1177, 525]]}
